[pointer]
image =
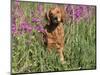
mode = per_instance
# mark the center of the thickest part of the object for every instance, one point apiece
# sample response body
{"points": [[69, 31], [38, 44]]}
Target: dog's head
{"points": [[55, 15]]}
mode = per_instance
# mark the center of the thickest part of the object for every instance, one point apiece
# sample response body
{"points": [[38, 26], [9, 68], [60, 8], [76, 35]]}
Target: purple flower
{"points": [[30, 28], [13, 28], [17, 2], [39, 28], [19, 12], [36, 20], [40, 8], [26, 27], [13, 20], [69, 10], [78, 12]]}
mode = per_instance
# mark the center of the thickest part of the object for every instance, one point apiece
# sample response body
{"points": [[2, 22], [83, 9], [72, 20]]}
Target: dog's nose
{"points": [[55, 17]]}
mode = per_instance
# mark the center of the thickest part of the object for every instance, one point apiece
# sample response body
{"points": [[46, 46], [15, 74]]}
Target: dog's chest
{"points": [[56, 36]]}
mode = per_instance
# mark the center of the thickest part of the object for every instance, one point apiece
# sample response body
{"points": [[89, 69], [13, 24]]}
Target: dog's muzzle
{"points": [[54, 20]]}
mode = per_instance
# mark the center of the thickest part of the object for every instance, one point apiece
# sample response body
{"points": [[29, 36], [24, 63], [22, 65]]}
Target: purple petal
{"points": [[35, 20], [39, 28], [26, 27], [17, 2], [30, 28], [40, 8], [13, 28]]}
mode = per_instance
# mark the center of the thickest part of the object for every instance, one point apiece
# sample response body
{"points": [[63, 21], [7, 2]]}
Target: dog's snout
{"points": [[55, 17]]}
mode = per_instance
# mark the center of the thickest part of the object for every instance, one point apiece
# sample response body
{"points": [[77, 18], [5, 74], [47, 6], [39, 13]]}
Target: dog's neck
{"points": [[51, 27]]}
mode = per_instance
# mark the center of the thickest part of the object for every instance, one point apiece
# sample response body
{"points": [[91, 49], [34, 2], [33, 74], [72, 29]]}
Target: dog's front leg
{"points": [[60, 51]]}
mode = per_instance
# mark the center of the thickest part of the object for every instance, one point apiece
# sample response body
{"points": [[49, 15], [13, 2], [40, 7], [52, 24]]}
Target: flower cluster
{"points": [[69, 10], [76, 12], [13, 27], [40, 8], [26, 27], [39, 28], [23, 26], [36, 20]]}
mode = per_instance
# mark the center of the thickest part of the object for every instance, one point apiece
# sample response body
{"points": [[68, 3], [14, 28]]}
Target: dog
{"points": [[54, 31]]}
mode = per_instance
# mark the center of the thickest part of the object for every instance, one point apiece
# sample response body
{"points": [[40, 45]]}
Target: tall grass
{"points": [[29, 54]]}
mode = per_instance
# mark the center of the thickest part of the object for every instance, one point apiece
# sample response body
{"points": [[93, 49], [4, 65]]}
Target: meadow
{"points": [[29, 54]]}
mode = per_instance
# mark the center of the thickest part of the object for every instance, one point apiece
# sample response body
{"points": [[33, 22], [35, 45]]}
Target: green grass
{"points": [[29, 54]]}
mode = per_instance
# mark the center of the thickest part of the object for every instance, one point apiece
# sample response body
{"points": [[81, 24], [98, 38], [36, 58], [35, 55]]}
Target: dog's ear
{"points": [[47, 16], [62, 14]]}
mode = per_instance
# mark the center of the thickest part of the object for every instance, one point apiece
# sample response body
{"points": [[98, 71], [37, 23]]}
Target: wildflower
{"points": [[69, 9], [30, 28], [39, 28], [26, 27], [35, 20], [40, 8], [13, 20], [17, 3], [13, 28], [78, 12]]}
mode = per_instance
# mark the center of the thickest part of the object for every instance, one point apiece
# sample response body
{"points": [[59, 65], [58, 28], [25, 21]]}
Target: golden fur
{"points": [[54, 30]]}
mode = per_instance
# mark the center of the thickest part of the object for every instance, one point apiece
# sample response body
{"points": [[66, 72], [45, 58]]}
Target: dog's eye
{"points": [[57, 11]]}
